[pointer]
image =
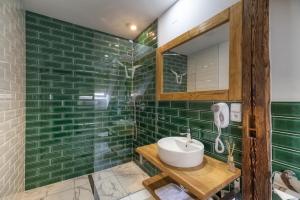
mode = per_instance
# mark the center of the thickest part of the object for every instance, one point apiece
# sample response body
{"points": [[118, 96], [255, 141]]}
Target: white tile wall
{"points": [[12, 98], [208, 69]]}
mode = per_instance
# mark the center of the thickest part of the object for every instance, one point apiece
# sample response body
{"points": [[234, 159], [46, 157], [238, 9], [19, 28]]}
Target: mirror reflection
{"points": [[201, 64]]}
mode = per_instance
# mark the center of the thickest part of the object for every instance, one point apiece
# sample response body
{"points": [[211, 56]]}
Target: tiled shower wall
{"points": [[77, 103], [12, 98], [286, 136], [161, 119], [177, 63]]}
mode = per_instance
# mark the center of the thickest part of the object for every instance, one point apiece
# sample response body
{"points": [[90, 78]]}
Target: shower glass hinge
{"points": [[141, 159]]}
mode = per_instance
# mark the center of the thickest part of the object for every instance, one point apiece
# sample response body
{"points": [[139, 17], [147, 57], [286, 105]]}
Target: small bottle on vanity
{"points": [[230, 158]]}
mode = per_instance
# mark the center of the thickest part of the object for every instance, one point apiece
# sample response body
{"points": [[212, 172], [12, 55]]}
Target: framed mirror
{"points": [[204, 63]]}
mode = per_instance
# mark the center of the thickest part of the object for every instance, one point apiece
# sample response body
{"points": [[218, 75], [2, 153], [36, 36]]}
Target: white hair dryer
{"points": [[221, 118]]}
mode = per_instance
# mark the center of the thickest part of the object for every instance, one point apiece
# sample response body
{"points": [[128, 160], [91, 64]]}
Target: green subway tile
{"points": [[34, 55], [62, 134], [48, 181], [50, 24], [31, 19], [278, 166], [73, 42], [179, 121], [286, 125], [286, 156], [208, 116], [62, 172], [38, 178], [290, 141], [50, 142], [50, 64], [62, 33], [178, 104], [203, 125], [63, 109], [62, 72], [83, 62], [50, 169], [170, 111], [73, 54], [50, 129], [50, 90], [200, 105], [82, 38], [50, 51], [83, 50], [62, 59], [189, 114], [49, 37], [37, 124], [50, 155], [62, 46], [32, 47], [37, 28], [36, 41], [290, 109], [72, 30], [38, 164], [51, 77], [62, 122]]}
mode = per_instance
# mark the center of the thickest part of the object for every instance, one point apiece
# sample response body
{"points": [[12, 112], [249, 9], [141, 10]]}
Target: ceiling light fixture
{"points": [[133, 27]]}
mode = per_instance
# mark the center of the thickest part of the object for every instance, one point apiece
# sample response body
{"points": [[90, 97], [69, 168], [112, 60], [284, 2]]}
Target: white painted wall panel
{"points": [[285, 50], [186, 14]]}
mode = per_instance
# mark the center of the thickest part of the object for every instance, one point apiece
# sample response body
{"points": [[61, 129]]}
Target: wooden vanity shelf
{"points": [[202, 181]]}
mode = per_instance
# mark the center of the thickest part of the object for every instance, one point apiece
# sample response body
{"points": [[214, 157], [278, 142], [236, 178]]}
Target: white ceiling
{"points": [[110, 16]]}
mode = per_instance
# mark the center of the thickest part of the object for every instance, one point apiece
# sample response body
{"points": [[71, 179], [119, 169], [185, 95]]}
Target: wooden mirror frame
{"points": [[232, 15]]}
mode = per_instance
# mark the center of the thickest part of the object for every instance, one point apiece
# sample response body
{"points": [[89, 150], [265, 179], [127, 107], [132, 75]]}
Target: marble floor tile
{"points": [[130, 176], [35, 194], [126, 198], [109, 189], [121, 182], [141, 195], [127, 168], [82, 180], [65, 195], [132, 182], [60, 187], [102, 174], [84, 192]]}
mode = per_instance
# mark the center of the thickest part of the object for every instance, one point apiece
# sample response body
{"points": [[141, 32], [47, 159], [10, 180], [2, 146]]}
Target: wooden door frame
{"points": [[256, 166]]}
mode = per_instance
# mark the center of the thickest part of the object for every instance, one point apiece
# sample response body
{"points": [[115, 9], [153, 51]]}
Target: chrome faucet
{"points": [[188, 135]]}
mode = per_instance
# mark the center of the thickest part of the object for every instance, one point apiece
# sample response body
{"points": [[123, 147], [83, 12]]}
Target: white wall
{"points": [[186, 14], [285, 49], [208, 69]]}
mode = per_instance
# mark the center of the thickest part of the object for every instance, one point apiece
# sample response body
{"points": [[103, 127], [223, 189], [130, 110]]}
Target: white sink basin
{"points": [[177, 152]]}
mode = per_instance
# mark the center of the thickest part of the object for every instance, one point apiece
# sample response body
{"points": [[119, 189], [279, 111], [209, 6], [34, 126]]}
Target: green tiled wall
{"points": [[160, 119], [177, 63], [75, 98], [71, 128], [286, 136], [149, 36]]}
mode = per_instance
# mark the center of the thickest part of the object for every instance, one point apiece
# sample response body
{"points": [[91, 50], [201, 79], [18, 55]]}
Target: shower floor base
{"points": [[122, 182]]}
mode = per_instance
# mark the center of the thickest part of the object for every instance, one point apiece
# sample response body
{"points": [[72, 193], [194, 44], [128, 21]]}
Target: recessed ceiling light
{"points": [[133, 27]]}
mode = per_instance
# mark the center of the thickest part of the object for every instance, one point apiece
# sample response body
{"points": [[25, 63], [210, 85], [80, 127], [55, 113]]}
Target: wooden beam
{"points": [[256, 100]]}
